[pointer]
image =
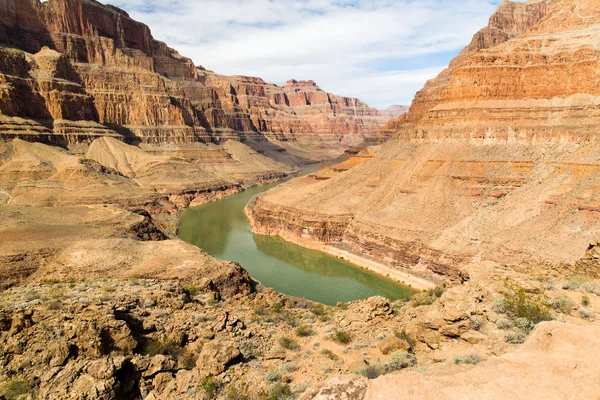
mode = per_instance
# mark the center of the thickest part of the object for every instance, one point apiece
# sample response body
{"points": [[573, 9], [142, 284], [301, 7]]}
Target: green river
{"points": [[221, 229]]}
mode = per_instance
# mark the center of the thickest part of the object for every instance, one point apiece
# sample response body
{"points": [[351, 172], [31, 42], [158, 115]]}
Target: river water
{"points": [[221, 229]]}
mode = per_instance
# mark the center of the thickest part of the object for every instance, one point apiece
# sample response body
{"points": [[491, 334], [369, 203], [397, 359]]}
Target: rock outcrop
{"points": [[395, 111], [495, 159], [75, 70]]}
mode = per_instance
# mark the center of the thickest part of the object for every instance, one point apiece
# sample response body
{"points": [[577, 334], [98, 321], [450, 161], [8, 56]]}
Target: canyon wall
{"points": [[74, 70], [496, 159]]}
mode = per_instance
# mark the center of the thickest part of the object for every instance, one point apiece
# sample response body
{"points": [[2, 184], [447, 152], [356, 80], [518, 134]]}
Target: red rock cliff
{"points": [[71, 70]]}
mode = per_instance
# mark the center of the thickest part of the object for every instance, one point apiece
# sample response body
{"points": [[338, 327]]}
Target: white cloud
{"points": [[356, 48]]}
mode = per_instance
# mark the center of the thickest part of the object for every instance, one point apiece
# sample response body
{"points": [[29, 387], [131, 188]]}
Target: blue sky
{"points": [[381, 51]]}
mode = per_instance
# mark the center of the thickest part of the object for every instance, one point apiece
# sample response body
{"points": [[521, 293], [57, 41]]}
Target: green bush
{"points": [[516, 337], [341, 337], [16, 387], [277, 306], [164, 346], [399, 360], [272, 376], [329, 354], [524, 324], [319, 310], [504, 324], [519, 304], [237, 391], [585, 300], [211, 386], [280, 391], [563, 304], [368, 371], [304, 330], [422, 299], [471, 359], [288, 343], [288, 367], [192, 289]]}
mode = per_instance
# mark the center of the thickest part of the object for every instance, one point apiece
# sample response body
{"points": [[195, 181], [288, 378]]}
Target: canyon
{"points": [[483, 195]]}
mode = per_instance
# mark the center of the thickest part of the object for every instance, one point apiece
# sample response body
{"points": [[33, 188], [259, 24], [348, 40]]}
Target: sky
{"points": [[381, 51]]}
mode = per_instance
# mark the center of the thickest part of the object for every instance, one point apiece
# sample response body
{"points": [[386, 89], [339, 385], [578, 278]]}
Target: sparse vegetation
{"points": [[516, 337], [585, 313], [476, 322], [288, 367], [318, 310], [399, 360], [585, 300], [288, 343], [16, 388], [192, 289], [563, 304], [273, 376], [341, 337], [329, 354], [304, 330], [277, 306], [368, 371], [211, 386], [237, 391], [519, 304], [402, 335], [164, 346], [280, 391], [470, 359]]}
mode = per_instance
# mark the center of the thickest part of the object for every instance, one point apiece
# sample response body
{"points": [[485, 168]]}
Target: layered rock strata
{"points": [[75, 70], [495, 159]]}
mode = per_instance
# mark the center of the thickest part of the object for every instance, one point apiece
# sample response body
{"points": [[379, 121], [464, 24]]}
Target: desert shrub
{"points": [[471, 359], [277, 306], [341, 306], [329, 354], [399, 360], [499, 306], [211, 386], [585, 300], [54, 305], [237, 391], [515, 337], [192, 289], [186, 360], [519, 304], [15, 388], [477, 322], [318, 310], [304, 330], [368, 371], [272, 376], [504, 323], [280, 391], [563, 304], [405, 336], [524, 324], [575, 282], [422, 299], [438, 291], [164, 346], [585, 313], [341, 337], [288, 343], [301, 387], [288, 367]]}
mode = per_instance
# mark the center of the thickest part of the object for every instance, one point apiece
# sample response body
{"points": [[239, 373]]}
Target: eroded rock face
{"points": [[495, 159], [76, 70]]}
